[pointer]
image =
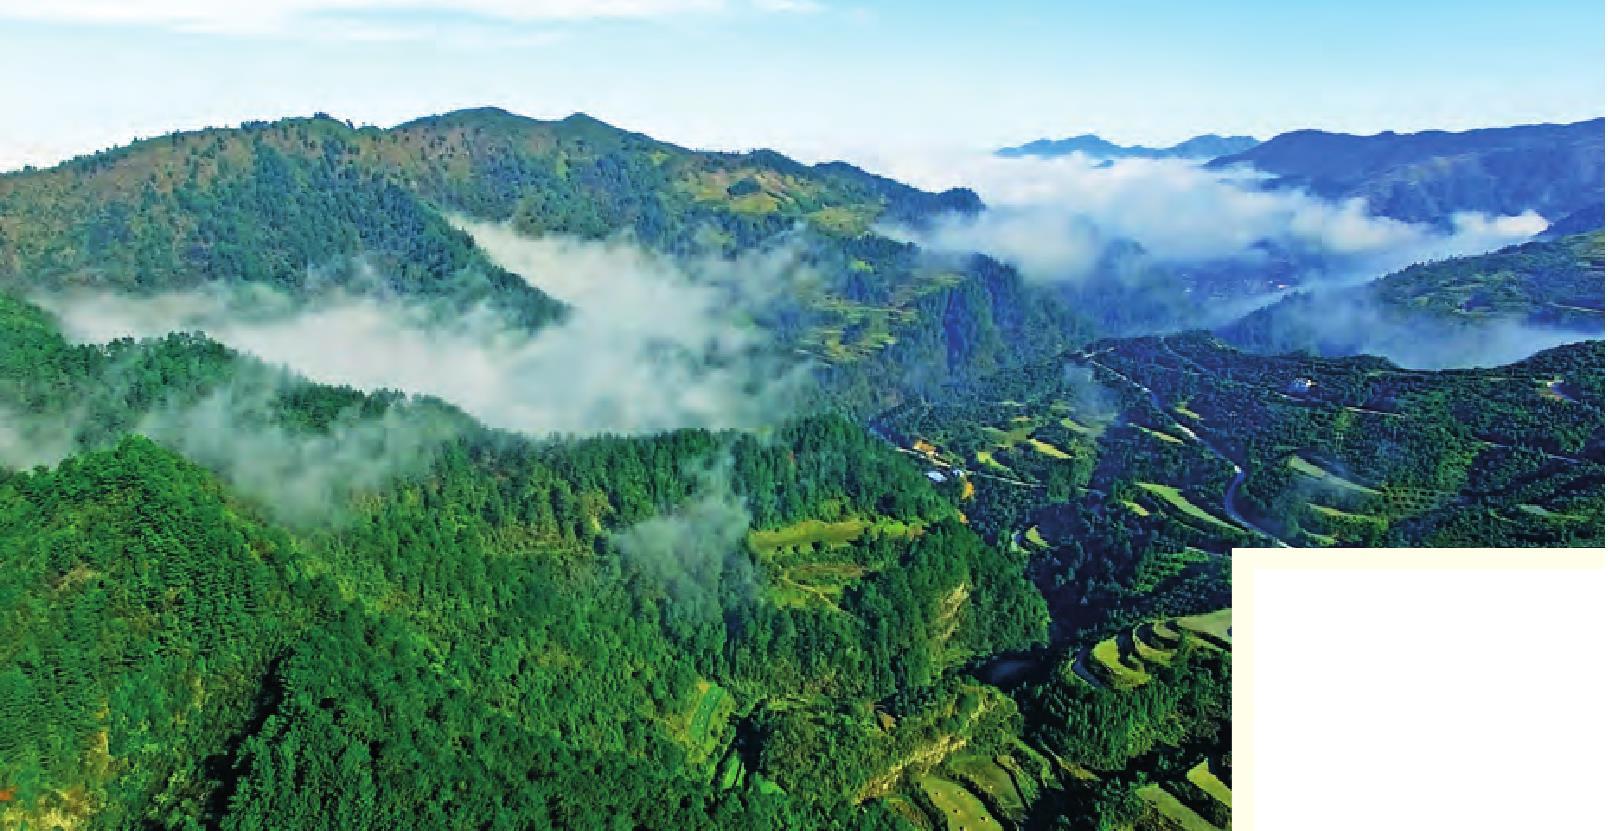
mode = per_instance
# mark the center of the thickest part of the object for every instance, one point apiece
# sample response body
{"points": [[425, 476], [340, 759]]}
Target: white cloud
{"points": [[281, 16], [1053, 217], [648, 345], [26, 441], [302, 475], [697, 548], [1346, 323], [792, 6]]}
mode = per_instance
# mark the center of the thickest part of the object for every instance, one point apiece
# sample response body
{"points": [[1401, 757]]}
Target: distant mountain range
{"points": [[1553, 169], [1207, 146]]}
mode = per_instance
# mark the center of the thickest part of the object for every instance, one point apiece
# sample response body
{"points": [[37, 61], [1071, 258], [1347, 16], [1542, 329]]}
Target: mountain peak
{"points": [[584, 118], [471, 116]]}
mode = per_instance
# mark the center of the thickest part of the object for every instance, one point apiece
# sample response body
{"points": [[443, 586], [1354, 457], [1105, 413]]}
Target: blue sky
{"points": [[817, 78]]}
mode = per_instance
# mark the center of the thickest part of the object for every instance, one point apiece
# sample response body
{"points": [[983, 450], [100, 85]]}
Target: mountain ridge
{"points": [[300, 205], [1546, 285], [1204, 146], [1428, 176]]}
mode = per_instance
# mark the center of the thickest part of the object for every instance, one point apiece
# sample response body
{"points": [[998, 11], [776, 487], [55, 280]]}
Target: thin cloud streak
{"points": [[363, 19]]}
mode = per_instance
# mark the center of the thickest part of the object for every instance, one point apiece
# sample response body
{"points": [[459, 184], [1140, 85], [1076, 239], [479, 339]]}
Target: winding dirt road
{"points": [[1231, 493]]}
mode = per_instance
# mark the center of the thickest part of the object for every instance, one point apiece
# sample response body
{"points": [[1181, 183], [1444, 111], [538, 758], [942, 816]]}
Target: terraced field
{"points": [[1076, 426], [704, 727], [1318, 474], [1018, 432], [976, 791], [1158, 435], [1157, 570], [1537, 510], [1120, 671], [960, 809], [1120, 662], [1173, 814], [849, 331], [811, 563], [1203, 777], [1362, 437], [1217, 627], [805, 533], [1139, 668], [1174, 497], [988, 778], [1048, 449], [1345, 522]]}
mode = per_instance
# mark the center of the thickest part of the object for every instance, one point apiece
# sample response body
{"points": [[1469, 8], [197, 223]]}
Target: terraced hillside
{"points": [[1129, 729], [1358, 451], [1129, 470], [1155, 752], [978, 581]]}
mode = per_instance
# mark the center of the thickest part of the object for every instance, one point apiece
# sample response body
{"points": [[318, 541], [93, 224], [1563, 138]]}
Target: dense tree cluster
{"points": [[458, 632]]}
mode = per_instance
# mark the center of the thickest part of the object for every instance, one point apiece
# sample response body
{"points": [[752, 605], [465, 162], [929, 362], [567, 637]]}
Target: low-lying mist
{"points": [[246, 429], [1148, 246], [1349, 323], [301, 475], [27, 440], [1057, 219], [648, 344], [698, 548]]}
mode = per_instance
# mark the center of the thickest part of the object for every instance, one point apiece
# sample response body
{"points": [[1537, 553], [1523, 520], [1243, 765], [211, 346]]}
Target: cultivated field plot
{"points": [[960, 810]]}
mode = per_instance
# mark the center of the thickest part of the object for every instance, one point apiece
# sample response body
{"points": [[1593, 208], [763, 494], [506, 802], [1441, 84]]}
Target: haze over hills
{"points": [[373, 459], [1589, 218], [485, 471], [190, 207], [1472, 311], [1207, 146], [1553, 169], [1154, 244], [306, 207]]}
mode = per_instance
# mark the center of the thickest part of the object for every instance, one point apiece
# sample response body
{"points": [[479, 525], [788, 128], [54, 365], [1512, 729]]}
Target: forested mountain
{"points": [[1553, 169], [306, 206], [597, 621], [264, 201], [1550, 287], [1208, 146], [977, 579]]}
